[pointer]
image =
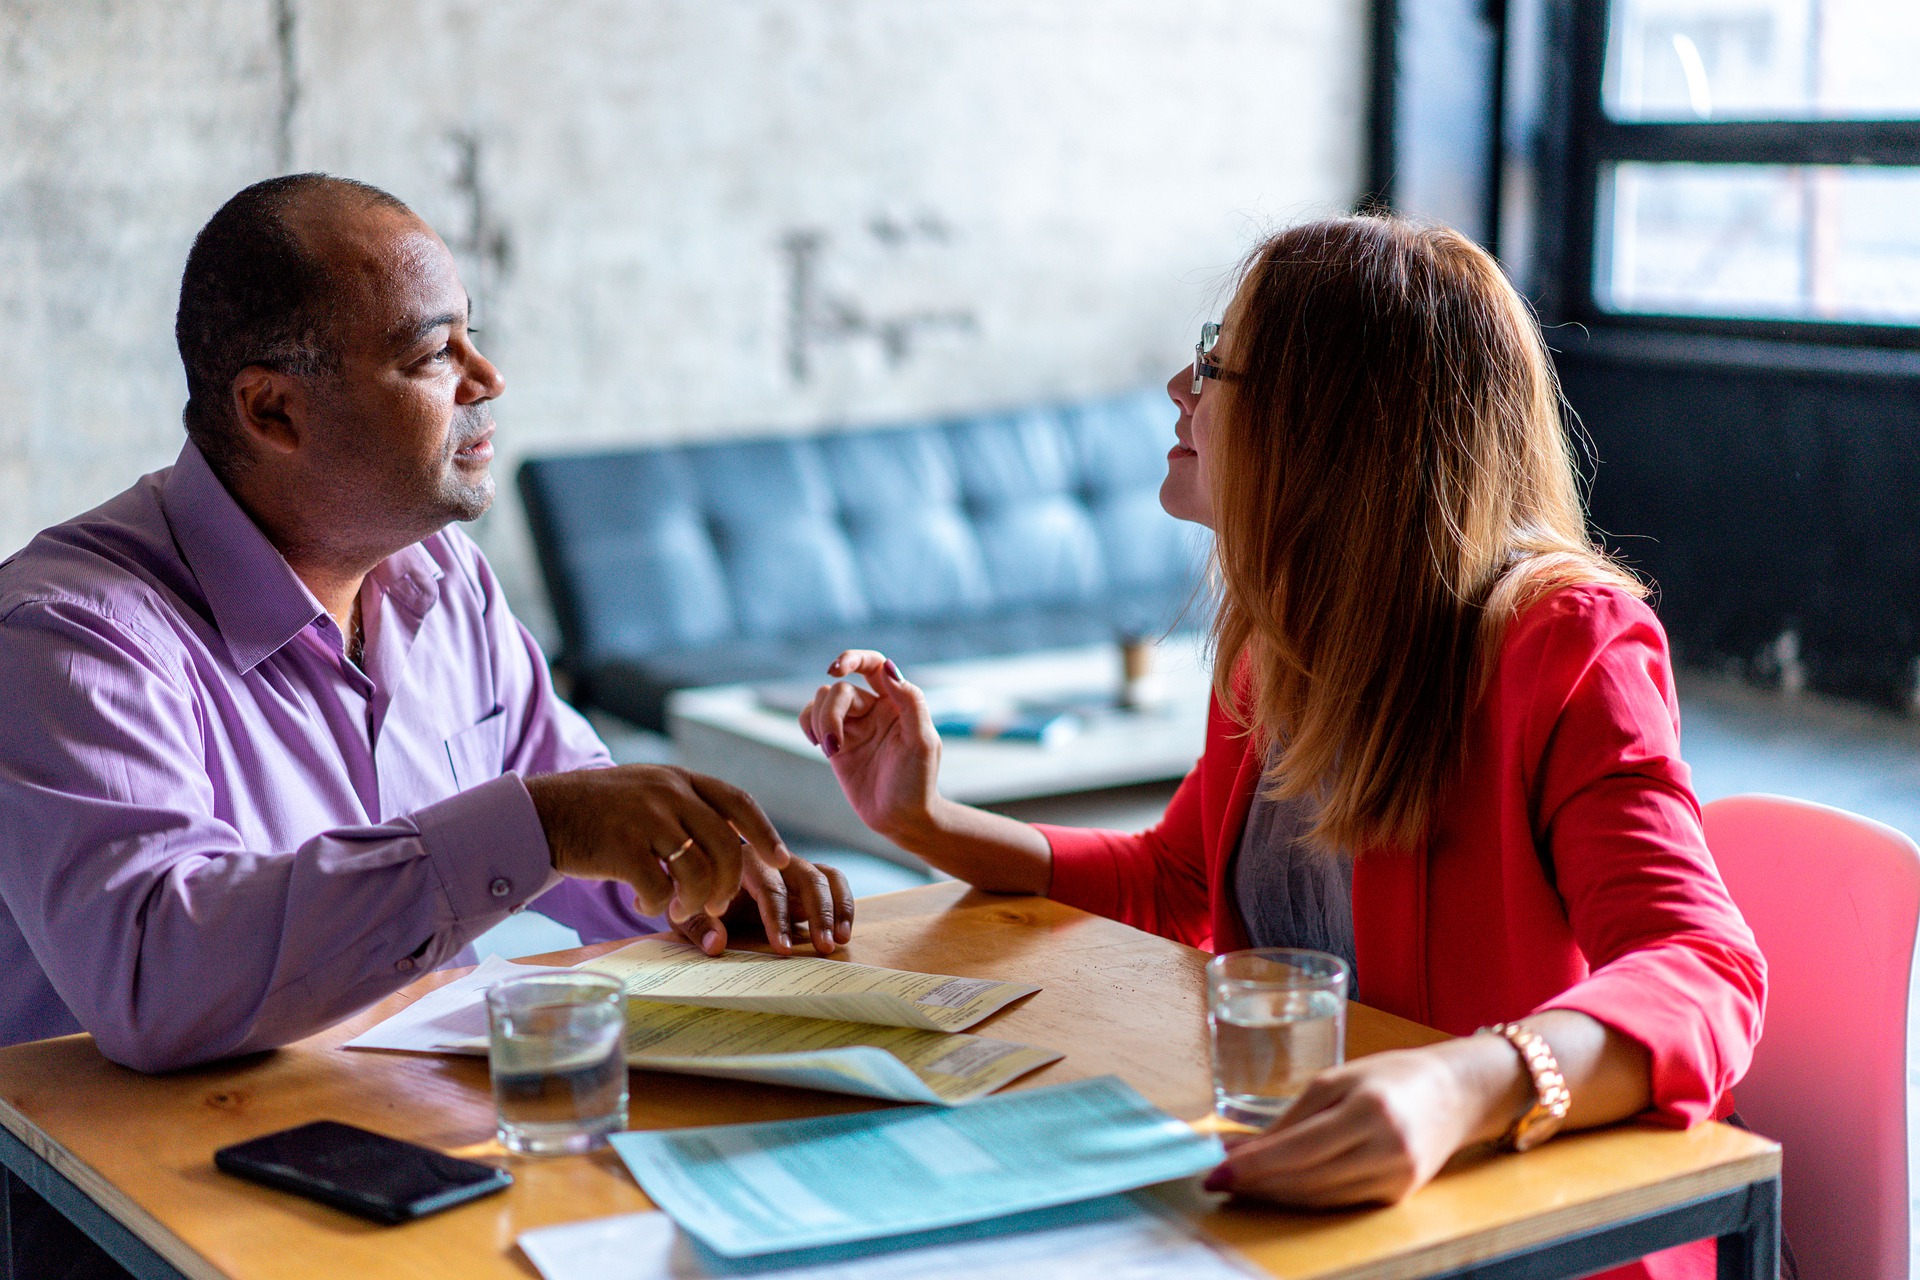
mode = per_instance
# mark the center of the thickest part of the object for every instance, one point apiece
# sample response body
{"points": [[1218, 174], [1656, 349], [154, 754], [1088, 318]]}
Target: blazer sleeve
{"points": [[1156, 880], [1673, 963]]}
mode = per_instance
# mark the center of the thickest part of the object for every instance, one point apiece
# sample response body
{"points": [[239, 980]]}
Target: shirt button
{"points": [[500, 887], [404, 964]]}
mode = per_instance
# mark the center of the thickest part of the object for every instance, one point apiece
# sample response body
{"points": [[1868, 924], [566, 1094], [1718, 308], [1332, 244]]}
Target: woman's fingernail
{"points": [[830, 745], [893, 670], [1221, 1179], [711, 940]]}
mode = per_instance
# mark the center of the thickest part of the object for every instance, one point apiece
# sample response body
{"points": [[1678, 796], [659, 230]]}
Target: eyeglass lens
{"points": [[1209, 335]]}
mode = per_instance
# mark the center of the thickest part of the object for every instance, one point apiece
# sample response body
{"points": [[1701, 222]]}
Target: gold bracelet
{"points": [[1551, 1098]]}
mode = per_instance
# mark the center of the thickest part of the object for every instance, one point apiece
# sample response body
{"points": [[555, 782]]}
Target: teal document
{"points": [[751, 1189]]}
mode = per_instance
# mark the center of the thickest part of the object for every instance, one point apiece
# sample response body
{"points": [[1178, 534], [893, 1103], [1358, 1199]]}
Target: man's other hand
{"points": [[682, 840], [800, 901]]}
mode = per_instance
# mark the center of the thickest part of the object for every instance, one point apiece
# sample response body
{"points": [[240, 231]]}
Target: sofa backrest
{"points": [[653, 549]]}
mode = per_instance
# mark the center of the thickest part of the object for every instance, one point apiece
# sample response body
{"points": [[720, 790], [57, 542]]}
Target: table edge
{"points": [[1494, 1243], [148, 1229]]}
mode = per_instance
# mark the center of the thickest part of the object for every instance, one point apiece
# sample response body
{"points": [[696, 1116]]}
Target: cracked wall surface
{"points": [[1001, 201]]}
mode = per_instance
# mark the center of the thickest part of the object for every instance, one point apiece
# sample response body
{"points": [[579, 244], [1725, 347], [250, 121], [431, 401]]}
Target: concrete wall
{"points": [[677, 217]]}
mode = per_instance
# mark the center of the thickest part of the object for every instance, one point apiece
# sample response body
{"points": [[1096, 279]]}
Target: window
{"points": [[1749, 166]]}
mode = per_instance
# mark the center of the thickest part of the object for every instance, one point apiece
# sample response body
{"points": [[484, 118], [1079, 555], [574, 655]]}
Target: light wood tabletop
{"points": [[1114, 1000]]}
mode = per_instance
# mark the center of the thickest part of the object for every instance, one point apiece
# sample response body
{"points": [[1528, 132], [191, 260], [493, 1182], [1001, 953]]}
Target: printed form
{"points": [[713, 1029], [676, 973], [751, 1189]]}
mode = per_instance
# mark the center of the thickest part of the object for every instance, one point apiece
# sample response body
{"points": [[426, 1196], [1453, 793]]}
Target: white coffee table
{"points": [[732, 732]]}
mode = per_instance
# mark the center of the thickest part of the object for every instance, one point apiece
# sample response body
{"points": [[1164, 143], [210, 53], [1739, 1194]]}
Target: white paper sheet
{"points": [[1114, 1239], [450, 1019]]}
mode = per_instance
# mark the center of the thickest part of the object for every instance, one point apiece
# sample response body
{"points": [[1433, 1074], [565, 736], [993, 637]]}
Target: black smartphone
{"points": [[364, 1173]]}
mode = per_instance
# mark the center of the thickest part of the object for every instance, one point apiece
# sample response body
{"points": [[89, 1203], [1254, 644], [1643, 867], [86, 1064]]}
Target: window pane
{"points": [[1769, 241], [1763, 59]]}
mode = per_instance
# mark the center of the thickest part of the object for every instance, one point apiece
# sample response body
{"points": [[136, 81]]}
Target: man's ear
{"points": [[271, 408]]}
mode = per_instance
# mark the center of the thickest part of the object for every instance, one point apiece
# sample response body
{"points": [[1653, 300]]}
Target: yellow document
{"points": [[903, 1064], [669, 972], [899, 1063]]}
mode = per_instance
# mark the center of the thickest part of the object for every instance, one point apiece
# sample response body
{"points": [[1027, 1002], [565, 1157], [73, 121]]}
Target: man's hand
{"points": [[800, 897], [682, 840]]}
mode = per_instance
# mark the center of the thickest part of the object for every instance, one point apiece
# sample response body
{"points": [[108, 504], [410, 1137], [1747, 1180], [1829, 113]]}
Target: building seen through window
{"points": [[1748, 239]]}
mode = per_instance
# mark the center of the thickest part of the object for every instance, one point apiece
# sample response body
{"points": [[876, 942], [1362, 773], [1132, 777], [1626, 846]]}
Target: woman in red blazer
{"points": [[1428, 678]]}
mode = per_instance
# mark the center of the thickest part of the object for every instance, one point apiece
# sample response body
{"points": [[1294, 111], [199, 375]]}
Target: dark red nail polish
{"points": [[892, 669], [831, 746], [1221, 1179]]}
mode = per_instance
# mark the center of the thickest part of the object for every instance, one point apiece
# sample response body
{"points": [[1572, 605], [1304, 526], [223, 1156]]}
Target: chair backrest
{"points": [[1834, 900], [652, 549]]}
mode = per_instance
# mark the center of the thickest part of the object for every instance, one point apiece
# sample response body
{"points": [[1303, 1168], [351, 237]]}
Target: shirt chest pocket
{"points": [[478, 754]]}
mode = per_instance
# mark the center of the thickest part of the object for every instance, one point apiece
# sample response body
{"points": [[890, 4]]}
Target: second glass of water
{"points": [[1278, 1016], [556, 1049]]}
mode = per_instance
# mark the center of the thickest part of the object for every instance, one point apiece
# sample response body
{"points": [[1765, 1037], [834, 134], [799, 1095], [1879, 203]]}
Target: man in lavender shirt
{"points": [[272, 743]]}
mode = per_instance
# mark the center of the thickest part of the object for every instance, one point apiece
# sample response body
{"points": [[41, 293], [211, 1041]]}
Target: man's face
{"points": [[406, 426]]}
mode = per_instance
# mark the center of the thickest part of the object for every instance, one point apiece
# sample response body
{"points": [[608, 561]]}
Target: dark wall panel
{"points": [[1764, 499]]}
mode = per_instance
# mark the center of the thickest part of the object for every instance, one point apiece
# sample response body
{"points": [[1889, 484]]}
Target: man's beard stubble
{"points": [[460, 498]]}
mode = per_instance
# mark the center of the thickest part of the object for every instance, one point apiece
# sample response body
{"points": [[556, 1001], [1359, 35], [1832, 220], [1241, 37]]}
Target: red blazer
{"points": [[1566, 870]]}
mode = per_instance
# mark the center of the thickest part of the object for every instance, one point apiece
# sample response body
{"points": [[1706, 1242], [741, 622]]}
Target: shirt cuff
{"points": [[488, 848]]}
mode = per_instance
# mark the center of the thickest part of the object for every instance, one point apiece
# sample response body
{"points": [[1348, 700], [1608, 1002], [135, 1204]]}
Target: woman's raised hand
{"points": [[881, 743]]}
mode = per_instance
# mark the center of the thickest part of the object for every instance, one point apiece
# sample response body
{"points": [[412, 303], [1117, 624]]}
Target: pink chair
{"points": [[1834, 900]]}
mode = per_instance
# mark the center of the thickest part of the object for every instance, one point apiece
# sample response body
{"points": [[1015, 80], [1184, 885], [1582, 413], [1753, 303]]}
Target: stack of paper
{"points": [[816, 1024]]}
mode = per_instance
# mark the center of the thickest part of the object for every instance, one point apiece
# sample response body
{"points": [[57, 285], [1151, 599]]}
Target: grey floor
{"points": [[1737, 739]]}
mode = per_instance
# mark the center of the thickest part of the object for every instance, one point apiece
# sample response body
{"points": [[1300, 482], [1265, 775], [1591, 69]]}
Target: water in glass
{"points": [[559, 1072], [1268, 1044]]}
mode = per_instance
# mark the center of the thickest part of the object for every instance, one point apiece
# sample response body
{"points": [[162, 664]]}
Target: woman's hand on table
{"points": [[1377, 1129], [800, 902], [1372, 1131]]}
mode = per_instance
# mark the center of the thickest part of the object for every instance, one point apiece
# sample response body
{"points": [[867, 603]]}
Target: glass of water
{"points": [[1278, 1017], [556, 1048]]}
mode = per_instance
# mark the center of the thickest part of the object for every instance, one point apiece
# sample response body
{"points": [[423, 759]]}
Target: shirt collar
{"points": [[257, 600], [410, 577]]}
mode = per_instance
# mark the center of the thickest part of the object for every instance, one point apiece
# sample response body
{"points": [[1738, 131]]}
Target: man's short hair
{"points": [[253, 293]]}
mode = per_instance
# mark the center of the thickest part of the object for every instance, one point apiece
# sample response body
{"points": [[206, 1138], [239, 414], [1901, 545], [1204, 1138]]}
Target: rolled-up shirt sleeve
{"points": [[168, 938]]}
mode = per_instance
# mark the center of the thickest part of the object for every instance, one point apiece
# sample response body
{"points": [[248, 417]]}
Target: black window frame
{"points": [[1595, 140]]}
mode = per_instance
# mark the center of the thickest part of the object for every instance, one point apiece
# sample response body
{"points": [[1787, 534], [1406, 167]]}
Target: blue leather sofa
{"points": [[687, 565]]}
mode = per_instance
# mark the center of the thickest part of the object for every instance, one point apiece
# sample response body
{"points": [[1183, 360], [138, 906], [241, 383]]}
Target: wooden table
{"points": [[129, 1157]]}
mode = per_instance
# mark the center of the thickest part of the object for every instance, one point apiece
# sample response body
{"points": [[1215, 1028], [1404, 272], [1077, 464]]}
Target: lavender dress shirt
{"points": [[217, 834]]}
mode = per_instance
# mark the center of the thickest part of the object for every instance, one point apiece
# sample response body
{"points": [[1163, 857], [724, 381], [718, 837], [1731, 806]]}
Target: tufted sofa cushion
{"points": [[687, 565]]}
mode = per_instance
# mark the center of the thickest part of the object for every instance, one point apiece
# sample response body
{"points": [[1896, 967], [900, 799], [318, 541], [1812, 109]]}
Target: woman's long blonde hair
{"points": [[1392, 482]]}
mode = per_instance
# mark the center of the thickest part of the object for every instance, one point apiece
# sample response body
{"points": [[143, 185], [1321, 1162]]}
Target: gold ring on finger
{"points": [[681, 852]]}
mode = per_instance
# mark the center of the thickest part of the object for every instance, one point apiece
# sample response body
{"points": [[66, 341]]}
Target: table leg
{"points": [[81, 1241], [1753, 1251], [1745, 1220]]}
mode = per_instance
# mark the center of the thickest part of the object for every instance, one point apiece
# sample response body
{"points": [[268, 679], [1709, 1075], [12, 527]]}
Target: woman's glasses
{"points": [[1204, 365]]}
